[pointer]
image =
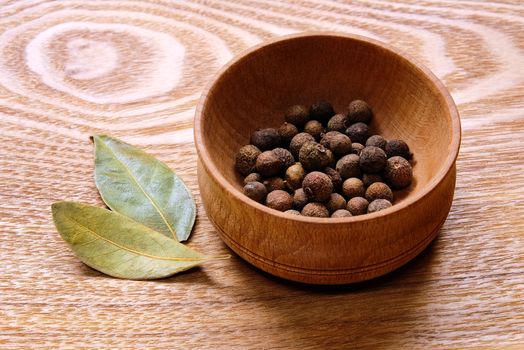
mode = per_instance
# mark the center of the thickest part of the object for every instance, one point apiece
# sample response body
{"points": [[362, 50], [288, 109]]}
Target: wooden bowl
{"points": [[409, 103]]}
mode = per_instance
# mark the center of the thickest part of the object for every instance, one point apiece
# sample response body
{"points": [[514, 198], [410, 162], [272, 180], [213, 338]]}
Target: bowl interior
{"points": [[255, 90]]}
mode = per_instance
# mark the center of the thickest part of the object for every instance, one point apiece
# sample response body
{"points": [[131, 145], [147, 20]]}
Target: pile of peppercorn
{"points": [[341, 170]]}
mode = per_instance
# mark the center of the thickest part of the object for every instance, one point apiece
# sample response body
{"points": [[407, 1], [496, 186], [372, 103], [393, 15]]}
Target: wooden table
{"points": [[135, 69]]}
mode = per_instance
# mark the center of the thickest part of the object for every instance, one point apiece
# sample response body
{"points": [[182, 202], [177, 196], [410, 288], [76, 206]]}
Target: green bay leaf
{"points": [[141, 187], [118, 246]]}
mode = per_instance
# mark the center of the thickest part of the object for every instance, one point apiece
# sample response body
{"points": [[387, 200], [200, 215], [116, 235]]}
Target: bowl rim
{"points": [[206, 159]]}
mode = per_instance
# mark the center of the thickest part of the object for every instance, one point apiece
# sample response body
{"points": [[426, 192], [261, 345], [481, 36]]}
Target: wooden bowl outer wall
{"points": [[331, 251]]}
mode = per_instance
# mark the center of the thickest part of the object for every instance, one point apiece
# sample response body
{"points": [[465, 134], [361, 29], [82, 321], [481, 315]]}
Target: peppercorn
{"points": [[397, 148], [379, 190], [297, 115], [256, 191], [268, 164], [358, 132], [372, 159], [315, 209], [335, 202], [337, 142], [341, 213], [357, 205], [359, 111], [266, 139], [353, 187], [287, 131], [368, 179], [298, 141], [253, 177], [274, 183], [314, 128], [292, 212], [378, 204], [356, 148], [398, 172], [321, 111], [335, 177], [377, 141], [337, 123], [300, 199], [314, 156], [246, 159], [317, 186], [285, 157], [294, 176], [279, 200], [348, 166]]}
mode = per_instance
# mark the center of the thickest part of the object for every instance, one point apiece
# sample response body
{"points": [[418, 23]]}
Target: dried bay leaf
{"points": [[141, 187], [118, 246]]}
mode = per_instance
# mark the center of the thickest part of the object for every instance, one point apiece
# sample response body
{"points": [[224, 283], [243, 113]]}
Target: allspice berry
{"points": [[253, 177], [368, 179], [285, 157], [335, 202], [315, 209], [398, 172], [357, 206], [337, 123], [297, 115], [266, 139], [314, 156], [279, 200], [341, 213], [337, 142], [246, 159], [335, 177], [298, 141], [377, 141], [379, 190], [274, 183], [256, 191], [300, 199], [321, 111], [353, 187], [287, 131], [358, 132], [356, 148], [349, 166], [292, 212], [397, 148], [268, 164], [317, 186], [314, 128], [372, 160], [378, 204], [359, 112], [294, 176]]}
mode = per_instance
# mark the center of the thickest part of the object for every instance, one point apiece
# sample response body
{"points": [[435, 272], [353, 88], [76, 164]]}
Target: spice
{"points": [[356, 148], [378, 204], [285, 157], [298, 141], [274, 183], [397, 148], [377, 141], [353, 187], [314, 128], [335, 177], [379, 190], [335, 202], [358, 206], [300, 199], [253, 177], [359, 111], [315, 209], [279, 200], [294, 176], [317, 186], [337, 123], [287, 131], [297, 115], [358, 132], [341, 213], [348, 166], [314, 156], [246, 159], [321, 111], [266, 139], [372, 159], [398, 172], [368, 179], [292, 212], [337, 142], [268, 164], [256, 191]]}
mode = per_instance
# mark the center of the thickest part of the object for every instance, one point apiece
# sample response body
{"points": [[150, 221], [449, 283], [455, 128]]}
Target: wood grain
{"points": [[465, 291]]}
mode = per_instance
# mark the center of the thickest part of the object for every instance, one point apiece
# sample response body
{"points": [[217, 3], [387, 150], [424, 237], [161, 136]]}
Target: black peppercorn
{"points": [[372, 160], [379, 190], [359, 112], [314, 128], [377, 141], [315, 209], [317, 186], [266, 139], [397, 148], [348, 166], [398, 172], [337, 142], [358, 132], [337, 123], [279, 200], [378, 204], [298, 141], [256, 191], [321, 111], [357, 206], [268, 164], [314, 156], [246, 159], [287, 131], [297, 115]]}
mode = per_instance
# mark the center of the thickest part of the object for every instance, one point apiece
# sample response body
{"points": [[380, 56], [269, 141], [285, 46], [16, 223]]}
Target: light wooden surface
{"points": [[135, 69]]}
